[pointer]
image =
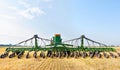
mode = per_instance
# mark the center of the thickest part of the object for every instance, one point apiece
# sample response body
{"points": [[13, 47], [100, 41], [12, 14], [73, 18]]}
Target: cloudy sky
{"points": [[97, 19]]}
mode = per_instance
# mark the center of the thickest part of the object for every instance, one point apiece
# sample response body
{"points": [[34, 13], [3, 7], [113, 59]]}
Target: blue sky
{"points": [[97, 19]]}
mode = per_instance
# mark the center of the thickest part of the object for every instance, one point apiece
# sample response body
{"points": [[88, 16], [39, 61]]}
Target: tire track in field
{"points": [[71, 64], [65, 64], [42, 66], [37, 64], [68, 65], [54, 60], [52, 64], [47, 65], [55, 64], [58, 63]]}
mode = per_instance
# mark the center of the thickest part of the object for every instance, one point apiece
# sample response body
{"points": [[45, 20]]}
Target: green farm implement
{"points": [[55, 47]]}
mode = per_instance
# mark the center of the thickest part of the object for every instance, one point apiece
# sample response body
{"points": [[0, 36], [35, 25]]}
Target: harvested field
{"points": [[59, 63]]}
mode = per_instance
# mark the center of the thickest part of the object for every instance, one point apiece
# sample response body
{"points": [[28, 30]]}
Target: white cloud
{"points": [[13, 8], [47, 0], [4, 16], [12, 28], [26, 5], [32, 12], [36, 10], [29, 12], [25, 9]]}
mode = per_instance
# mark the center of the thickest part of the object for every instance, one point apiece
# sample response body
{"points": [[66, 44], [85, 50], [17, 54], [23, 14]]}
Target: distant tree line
{"points": [[6, 45]]}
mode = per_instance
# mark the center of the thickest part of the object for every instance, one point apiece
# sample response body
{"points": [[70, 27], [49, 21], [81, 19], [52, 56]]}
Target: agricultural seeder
{"points": [[78, 47]]}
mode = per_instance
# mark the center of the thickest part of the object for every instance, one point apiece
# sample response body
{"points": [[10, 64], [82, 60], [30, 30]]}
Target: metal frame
{"points": [[61, 46]]}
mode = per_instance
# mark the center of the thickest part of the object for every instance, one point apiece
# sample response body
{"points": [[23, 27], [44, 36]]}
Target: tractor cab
{"points": [[56, 40]]}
